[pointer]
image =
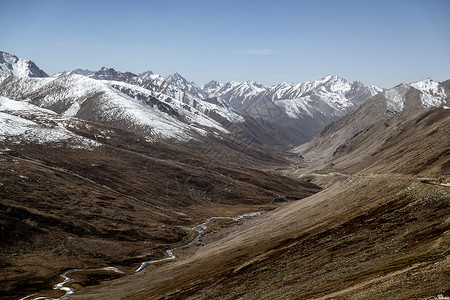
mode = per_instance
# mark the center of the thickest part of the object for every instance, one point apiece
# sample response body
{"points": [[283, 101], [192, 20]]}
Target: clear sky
{"points": [[378, 42]]}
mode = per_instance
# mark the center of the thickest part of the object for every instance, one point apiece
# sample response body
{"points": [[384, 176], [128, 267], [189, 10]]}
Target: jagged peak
{"points": [[211, 84], [176, 75], [10, 64], [331, 78], [177, 78], [83, 72], [146, 74], [426, 83]]}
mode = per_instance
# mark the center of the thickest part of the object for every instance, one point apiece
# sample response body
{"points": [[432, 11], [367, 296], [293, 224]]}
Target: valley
{"points": [[78, 208], [152, 187], [368, 235]]}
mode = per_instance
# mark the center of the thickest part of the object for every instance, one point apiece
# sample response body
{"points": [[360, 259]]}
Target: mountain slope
{"points": [[338, 136], [373, 234], [12, 65], [21, 121], [300, 110], [80, 194], [280, 116], [99, 101]]}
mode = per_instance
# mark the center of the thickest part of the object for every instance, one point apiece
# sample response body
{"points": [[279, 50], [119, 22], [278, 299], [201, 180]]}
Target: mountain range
{"points": [[104, 169], [171, 107]]}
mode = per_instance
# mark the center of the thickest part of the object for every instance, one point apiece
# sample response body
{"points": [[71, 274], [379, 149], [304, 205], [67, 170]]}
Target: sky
{"points": [[377, 42]]}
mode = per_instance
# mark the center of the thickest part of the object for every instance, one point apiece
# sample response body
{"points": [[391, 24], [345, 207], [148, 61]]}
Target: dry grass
{"points": [[121, 204]]}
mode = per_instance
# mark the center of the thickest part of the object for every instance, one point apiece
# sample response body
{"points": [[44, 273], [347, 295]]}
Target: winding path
{"points": [[200, 229]]}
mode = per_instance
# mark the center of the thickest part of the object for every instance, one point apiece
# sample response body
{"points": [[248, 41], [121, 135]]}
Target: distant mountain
{"points": [[431, 94], [77, 71], [298, 111], [111, 74], [338, 138], [148, 75], [105, 168], [112, 103], [12, 65], [102, 74], [281, 116], [336, 92]]}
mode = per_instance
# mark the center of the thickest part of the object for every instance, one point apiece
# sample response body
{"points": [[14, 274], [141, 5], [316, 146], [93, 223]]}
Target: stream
{"points": [[200, 229]]}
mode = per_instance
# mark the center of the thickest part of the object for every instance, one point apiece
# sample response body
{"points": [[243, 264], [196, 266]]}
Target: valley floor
{"points": [[365, 237]]}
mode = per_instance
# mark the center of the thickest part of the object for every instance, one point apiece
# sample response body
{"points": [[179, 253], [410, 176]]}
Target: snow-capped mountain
{"points": [[21, 121], [301, 110], [12, 65], [431, 93], [113, 103], [111, 74], [296, 112], [173, 90], [103, 74], [210, 88], [148, 75], [174, 85], [336, 92], [84, 72], [408, 99], [172, 107]]}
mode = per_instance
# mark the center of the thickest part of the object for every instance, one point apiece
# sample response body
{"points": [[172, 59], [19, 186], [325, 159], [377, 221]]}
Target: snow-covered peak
{"points": [[431, 95], [111, 74], [248, 89], [178, 80], [211, 88], [335, 83], [211, 85], [255, 86], [84, 72], [428, 86], [147, 75], [12, 65], [395, 98], [374, 90], [328, 78]]}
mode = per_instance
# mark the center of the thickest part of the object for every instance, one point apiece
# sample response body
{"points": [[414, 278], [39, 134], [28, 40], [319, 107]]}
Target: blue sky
{"points": [[378, 42]]}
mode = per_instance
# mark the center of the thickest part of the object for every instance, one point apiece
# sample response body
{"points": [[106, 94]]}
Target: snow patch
{"points": [[430, 93], [395, 98], [21, 121], [12, 65]]}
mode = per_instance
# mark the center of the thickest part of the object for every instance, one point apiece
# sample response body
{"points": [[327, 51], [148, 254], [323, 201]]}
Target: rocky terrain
{"points": [[120, 200], [111, 169], [379, 231]]}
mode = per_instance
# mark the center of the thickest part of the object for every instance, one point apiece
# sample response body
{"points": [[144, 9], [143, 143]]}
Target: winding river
{"points": [[200, 229]]}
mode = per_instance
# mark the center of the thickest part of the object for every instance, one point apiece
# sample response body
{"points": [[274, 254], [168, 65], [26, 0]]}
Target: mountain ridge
{"points": [[279, 116], [13, 65], [301, 110], [337, 139], [105, 172]]}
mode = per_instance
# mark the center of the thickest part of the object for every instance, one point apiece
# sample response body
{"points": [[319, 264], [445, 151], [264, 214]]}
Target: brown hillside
{"points": [[381, 232], [119, 204]]}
